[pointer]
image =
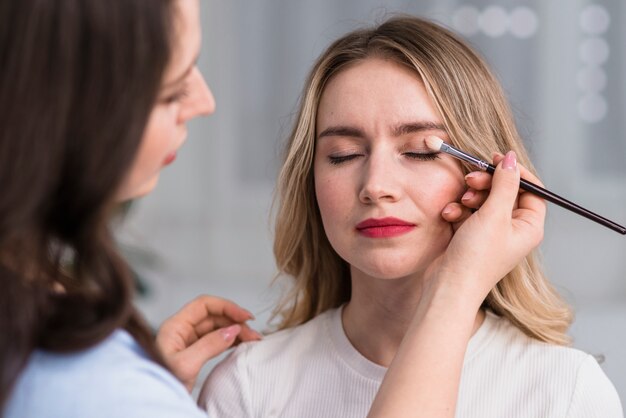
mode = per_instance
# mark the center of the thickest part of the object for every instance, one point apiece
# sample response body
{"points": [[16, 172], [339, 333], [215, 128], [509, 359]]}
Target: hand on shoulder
{"points": [[200, 331]]}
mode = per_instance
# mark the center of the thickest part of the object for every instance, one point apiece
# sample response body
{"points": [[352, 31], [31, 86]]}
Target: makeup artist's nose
{"points": [[379, 181], [200, 101]]}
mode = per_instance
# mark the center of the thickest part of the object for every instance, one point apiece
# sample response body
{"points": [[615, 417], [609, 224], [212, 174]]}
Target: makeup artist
{"points": [[94, 98]]}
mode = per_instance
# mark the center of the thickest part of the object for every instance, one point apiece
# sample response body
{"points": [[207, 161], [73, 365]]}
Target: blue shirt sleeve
{"points": [[113, 379]]}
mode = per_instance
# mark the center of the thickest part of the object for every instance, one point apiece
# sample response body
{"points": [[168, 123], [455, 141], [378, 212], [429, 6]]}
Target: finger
{"points": [[210, 324], [207, 347], [527, 201], [504, 187], [248, 334], [524, 172], [186, 364], [456, 214], [481, 180], [453, 212], [530, 210], [474, 199], [178, 332], [497, 157], [204, 306], [201, 312], [478, 180]]}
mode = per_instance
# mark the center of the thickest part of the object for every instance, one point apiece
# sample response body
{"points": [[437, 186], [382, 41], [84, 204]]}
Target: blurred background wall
{"points": [[207, 229]]}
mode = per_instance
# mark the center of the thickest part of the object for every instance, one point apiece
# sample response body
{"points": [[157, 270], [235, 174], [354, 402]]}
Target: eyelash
{"points": [[178, 96], [430, 156], [342, 158], [426, 156]]}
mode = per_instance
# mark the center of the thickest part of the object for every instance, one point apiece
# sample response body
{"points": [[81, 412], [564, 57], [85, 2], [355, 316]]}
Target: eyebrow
{"points": [[341, 131], [184, 75], [402, 129], [409, 128]]}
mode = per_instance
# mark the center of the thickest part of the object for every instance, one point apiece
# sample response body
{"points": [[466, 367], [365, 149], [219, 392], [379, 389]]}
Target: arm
{"points": [[201, 330], [425, 374]]}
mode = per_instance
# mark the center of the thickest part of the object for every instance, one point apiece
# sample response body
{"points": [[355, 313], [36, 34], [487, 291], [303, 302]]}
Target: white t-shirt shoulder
{"points": [[294, 373], [314, 371], [508, 374]]}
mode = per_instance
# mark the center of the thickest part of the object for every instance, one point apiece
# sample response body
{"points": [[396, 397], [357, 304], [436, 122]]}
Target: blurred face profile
{"points": [[379, 189], [184, 95]]}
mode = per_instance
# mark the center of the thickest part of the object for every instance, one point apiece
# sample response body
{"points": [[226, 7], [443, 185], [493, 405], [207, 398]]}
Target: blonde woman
{"points": [[388, 272]]}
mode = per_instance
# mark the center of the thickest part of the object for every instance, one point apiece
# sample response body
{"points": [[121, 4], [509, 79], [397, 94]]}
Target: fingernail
{"points": [[258, 335], [250, 314], [468, 195], [470, 175], [230, 332], [510, 161], [447, 211]]}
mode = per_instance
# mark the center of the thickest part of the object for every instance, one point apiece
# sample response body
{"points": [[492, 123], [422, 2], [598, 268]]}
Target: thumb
{"points": [[504, 186], [194, 357], [212, 344]]}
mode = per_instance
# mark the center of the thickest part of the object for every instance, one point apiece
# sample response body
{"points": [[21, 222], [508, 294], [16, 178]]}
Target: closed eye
{"points": [[178, 95], [338, 159], [422, 156]]}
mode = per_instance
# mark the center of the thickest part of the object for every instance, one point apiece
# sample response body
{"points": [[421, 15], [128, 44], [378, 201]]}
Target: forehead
{"points": [[375, 89], [186, 37]]}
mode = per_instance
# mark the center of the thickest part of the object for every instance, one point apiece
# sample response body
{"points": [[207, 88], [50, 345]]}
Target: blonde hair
{"points": [[477, 118]]}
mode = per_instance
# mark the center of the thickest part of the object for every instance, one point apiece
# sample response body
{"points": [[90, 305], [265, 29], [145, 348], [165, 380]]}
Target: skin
{"points": [[201, 330], [184, 95], [208, 325], [371, 162], [415, 297], [426, 370], [389, 173]]}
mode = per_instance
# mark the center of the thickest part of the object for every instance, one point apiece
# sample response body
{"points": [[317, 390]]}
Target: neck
{"points": [[379, 313]]}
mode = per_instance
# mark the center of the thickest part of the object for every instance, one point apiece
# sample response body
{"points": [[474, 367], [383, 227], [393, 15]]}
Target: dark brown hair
{"points": [[78, 79]]}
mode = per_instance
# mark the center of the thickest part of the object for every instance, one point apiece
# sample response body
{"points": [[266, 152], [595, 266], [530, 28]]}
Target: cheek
{"points": [[328, 193], [156, 143], [334, 195], [160, 134], [163, 122], [335, 206], [444, 186]]}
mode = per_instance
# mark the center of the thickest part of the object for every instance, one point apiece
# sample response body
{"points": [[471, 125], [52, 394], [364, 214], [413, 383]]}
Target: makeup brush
{"points": [[437, 144]]}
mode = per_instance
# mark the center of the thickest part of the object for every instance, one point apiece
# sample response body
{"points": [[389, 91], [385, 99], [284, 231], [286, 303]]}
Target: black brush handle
{"points": [[564, 203]]}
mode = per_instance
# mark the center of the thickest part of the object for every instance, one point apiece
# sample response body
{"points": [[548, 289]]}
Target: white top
{"points": [[112, 379], [314, 371]]}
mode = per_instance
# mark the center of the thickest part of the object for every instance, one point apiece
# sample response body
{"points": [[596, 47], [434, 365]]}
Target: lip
{"points": [[170, 158], [384, 227]]}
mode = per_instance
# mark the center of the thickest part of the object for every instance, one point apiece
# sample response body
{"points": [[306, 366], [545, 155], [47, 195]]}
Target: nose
{"points": [[380, 180], [200, 101]]}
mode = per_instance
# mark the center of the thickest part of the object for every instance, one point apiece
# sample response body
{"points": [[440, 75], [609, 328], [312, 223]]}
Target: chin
{"points": [[388, 271], [138, 191]]}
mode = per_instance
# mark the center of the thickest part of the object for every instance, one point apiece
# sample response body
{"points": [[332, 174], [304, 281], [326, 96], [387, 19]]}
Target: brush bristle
{"points": [[433, 142]]}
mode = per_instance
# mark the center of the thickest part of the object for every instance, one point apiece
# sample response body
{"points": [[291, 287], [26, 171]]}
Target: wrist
{"points": [[448, 292]]}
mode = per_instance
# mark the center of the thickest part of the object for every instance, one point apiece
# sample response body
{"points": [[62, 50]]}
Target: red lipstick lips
{"points": [[384, 227], [170, 158]]}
